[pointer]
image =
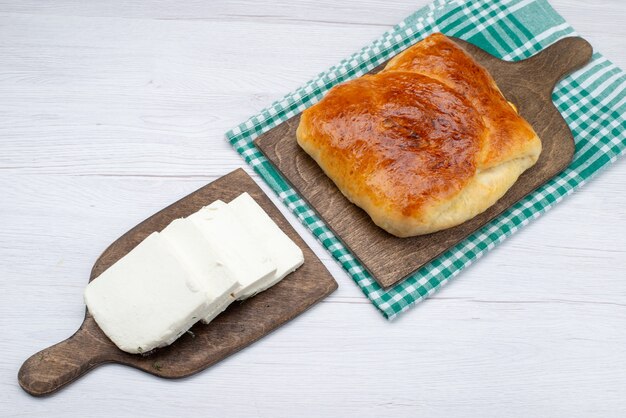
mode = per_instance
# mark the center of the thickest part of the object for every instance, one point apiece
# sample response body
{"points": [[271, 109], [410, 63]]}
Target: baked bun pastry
{"points": [[424, 145]]}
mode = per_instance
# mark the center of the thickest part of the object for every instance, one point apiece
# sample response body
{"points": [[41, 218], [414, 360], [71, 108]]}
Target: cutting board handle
{"points": [[556, 61], [50, 369]]}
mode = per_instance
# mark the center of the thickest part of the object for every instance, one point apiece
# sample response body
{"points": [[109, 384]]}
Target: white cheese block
{"points": [[244, 256], [197, 254], [285, 254], [147, 299]]}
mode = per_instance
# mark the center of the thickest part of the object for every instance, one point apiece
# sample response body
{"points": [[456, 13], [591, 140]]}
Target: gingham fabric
{"points": [[592, 101]]}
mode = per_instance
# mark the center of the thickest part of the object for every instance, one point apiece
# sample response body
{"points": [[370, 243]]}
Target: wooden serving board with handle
{"points": [[528, 84], [240, 325]]}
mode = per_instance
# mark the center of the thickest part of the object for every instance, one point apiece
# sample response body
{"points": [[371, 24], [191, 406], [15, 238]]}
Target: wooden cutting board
{"points": [[528, 84], [240, 325]]}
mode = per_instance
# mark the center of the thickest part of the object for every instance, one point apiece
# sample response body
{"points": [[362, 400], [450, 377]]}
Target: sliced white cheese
{"points": [[147, 299], [197, 254], [244, 256], [285, 254], [190, 271]]}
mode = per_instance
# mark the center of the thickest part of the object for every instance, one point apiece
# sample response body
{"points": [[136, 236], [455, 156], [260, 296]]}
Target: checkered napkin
{"points": [[592, 101]]}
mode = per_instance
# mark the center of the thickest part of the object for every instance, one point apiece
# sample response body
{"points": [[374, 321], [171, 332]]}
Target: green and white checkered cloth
{"points": [[592, 101]]}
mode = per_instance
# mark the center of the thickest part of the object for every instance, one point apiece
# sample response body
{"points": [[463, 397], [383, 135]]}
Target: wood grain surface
{"points": [[110, 111], [205, 344], [528, 84]]}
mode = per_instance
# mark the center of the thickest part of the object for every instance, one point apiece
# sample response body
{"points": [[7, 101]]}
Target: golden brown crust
{"points": [[442, 59], [410, 144], [385, 131]]}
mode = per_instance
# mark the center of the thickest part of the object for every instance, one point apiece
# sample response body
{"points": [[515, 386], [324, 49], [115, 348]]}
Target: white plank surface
{"points": [[109, 111]]}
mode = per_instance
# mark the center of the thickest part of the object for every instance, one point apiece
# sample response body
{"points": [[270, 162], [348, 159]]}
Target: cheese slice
{"points": [[147, 299], [197, 254], [244, 256], [190, 271], [285, 254]]}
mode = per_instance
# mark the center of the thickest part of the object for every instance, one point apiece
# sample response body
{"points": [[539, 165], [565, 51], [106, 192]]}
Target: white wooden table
{"points": [[110, 110]]}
